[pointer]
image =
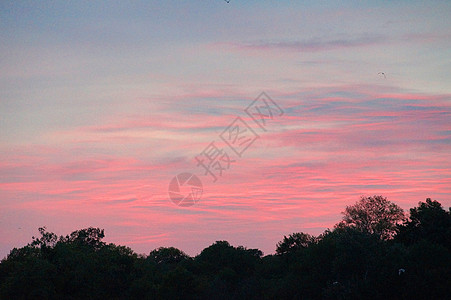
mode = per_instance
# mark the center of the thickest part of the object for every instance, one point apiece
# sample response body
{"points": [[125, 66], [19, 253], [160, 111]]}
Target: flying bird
{"points": [[382, 73], [228, 1]]}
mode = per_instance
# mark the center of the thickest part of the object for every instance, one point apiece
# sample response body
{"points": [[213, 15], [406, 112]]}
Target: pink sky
{"points": [[99, 113]]}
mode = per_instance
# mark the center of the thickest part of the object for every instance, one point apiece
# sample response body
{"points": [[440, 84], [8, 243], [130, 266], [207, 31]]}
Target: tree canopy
{"points": [[295, 242], [354, 260], [374, 215]]}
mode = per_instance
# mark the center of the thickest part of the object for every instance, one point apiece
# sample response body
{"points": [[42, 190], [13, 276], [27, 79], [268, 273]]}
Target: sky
{"points": [[103, 103]]}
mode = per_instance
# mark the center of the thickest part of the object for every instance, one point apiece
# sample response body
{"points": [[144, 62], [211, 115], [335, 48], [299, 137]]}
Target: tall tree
{"points": [[429, 222], [374, 215]]}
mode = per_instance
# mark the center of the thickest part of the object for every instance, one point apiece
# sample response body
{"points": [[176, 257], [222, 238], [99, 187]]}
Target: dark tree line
{"points": [[375, 252]]}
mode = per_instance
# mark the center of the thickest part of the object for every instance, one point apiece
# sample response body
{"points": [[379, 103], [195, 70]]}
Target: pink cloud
{"points": [[323, 154]]}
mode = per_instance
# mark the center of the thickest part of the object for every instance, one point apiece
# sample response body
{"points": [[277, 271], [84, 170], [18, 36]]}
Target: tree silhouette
{"points": [[374, 215], [429, 222], [90, 237], [295, 242], [355, 260], [169, 255]]}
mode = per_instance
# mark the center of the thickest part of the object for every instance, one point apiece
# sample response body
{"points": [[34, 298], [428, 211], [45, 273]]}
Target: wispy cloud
{"points": [[313, 44], [98, 114]]}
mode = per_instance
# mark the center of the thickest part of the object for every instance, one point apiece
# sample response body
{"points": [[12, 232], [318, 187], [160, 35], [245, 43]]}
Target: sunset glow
{"points": [[103, 104]]}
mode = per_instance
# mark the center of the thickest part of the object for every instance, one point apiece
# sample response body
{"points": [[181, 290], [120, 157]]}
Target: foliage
{"points": [[295, 242], [355, 260], [429, 222], [374, 215]]}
